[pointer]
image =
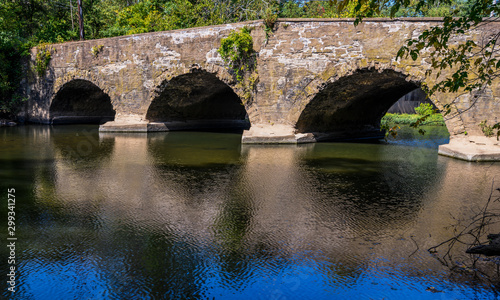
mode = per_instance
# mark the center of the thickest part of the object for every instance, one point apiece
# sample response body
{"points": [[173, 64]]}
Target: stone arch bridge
{"points": [[314, 79]]}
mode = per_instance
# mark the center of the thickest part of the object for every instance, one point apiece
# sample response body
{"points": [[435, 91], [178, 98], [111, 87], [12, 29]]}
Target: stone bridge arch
{"points": [[80, 100], [351, 106], [197, 99]]}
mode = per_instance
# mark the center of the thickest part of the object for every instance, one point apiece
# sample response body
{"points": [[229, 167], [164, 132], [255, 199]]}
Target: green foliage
{"points": [[407, 119], [138, 18], [43, 57], [237, 51], [489, 130], [430, 9], [427, 116], [392, 131], [95, 50], [425, 109], [270, 18], [11, 52], [320, 9]]}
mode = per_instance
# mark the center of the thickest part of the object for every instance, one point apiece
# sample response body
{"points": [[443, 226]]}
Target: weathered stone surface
{"points": [[320, 76], [472, 148], [275, 134]]}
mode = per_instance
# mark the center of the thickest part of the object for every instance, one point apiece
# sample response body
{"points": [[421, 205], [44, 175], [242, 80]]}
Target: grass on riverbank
{"points": [[407, 119]]}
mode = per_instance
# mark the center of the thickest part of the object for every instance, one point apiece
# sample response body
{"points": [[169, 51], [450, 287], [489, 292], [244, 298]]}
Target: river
{"points": [[190, 215]]}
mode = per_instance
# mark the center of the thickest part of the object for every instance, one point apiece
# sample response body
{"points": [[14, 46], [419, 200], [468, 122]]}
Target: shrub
{"points": [[237, 50], [489, 130], [43, 57], [425, 109]]}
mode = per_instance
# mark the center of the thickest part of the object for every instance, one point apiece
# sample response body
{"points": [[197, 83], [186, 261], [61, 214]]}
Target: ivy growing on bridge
{"points": [[43, 57], [237, 51]]}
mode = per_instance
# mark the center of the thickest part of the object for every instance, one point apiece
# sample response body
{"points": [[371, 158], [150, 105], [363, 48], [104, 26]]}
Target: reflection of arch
{"points": [[81, 101], [87, 146], [353, 105], [197, 100]]}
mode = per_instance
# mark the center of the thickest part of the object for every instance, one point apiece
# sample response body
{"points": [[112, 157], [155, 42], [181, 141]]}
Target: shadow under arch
{"points": [[196, 101], [352, 106], [80, 101]]}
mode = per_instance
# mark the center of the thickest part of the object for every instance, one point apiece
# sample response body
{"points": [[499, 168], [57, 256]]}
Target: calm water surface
{"points": [[200, 216]]}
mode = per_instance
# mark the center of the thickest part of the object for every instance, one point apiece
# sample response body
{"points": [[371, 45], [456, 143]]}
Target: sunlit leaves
{"points": [[391, 131], [237, 50]]}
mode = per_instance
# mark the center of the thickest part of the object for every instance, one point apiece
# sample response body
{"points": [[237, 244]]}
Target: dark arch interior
{"points": [[80, 101], [353, 106], [197, 100]]}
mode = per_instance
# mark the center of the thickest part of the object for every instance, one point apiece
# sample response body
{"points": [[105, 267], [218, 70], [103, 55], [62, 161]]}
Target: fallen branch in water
{"points": [[470, 233]]}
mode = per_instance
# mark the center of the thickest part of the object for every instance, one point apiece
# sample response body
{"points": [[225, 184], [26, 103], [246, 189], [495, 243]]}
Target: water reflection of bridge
{"points": [[209, 190]]}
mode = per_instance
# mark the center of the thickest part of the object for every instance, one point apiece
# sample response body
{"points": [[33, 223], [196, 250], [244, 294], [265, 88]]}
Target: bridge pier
{"points": [[286, 134], [275, 134], [472, 148], [128, 123], [139, 125]]}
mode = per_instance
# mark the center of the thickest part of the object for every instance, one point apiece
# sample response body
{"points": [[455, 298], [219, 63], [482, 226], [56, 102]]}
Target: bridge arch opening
{"points": [[197, 101], [353, 106], [81, 102]]}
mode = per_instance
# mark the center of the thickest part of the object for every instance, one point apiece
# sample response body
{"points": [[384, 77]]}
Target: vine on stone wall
{"points": [[96, 50], [237, 51], [43, 56], [248, 85]]}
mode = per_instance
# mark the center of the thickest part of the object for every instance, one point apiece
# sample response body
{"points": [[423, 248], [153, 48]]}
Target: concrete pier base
{"points": [[80, 119], [138, 125], [125, 124], [285, 134], [275, 134], [198, 125], [472, 148]]}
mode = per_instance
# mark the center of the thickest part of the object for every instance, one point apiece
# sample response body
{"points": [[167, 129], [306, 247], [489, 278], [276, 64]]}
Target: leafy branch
{"points": [[473, 65]]}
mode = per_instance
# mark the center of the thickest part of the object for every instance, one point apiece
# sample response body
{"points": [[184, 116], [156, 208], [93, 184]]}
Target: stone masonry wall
{"points": [[301, 58]]}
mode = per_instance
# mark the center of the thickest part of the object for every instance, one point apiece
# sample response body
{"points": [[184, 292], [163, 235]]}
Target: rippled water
{"points": [[186, 215]]}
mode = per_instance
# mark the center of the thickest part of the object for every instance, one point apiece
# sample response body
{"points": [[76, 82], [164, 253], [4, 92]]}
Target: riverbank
{"points": [[407, 119], [6, 122]]}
